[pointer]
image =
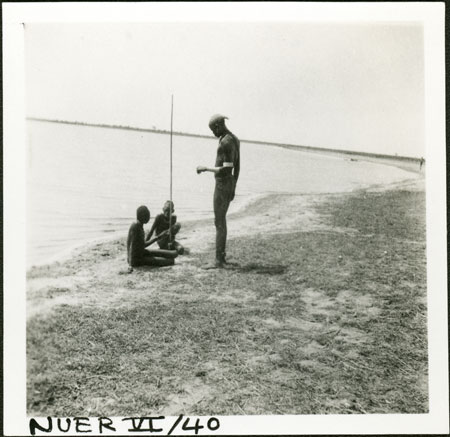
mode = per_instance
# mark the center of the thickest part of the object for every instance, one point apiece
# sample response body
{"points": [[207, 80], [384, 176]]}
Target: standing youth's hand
{"points": [[200, 169]]}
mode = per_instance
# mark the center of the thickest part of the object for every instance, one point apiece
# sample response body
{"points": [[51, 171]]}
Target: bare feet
{"points": [[215, 265]]}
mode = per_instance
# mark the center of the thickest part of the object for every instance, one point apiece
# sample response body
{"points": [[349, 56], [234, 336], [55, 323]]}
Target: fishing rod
{"points": [[170, 209], [169, 231]]}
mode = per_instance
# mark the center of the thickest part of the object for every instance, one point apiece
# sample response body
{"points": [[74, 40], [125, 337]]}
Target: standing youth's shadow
{"points": [[263, 269]]}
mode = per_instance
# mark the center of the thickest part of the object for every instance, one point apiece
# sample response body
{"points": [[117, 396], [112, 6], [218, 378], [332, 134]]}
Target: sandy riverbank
{"points": [[265, 215], [318, 316]]}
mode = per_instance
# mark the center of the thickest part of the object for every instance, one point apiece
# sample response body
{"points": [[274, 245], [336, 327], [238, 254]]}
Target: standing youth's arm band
{"points": [[228, 164]]}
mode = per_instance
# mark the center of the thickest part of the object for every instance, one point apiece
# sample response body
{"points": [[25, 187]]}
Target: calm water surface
{"points": [[86, 182]]}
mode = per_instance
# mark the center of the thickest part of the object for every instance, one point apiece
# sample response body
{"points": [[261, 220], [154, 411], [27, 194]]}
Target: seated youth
{"points": [[161, 224], [138, 255]]}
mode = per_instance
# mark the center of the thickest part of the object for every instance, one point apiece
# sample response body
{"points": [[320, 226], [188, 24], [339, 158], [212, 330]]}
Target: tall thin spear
{"points": [[170, 210]]}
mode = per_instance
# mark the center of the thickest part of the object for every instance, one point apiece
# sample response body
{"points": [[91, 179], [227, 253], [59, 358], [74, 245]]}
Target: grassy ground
{"points": [[313, 320]]}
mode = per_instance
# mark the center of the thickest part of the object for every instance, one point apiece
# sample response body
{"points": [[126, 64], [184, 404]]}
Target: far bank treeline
{"points": [[266, 143]]}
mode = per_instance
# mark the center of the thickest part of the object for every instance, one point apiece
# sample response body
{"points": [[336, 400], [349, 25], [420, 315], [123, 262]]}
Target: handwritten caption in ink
{"points": [[100, 425]]}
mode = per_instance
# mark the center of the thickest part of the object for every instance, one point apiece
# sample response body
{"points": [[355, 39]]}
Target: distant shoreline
{"points": [[268, 143]]}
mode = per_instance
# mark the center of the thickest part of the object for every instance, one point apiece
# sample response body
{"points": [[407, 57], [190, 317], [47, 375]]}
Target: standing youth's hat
{"points": [[215, 118]]}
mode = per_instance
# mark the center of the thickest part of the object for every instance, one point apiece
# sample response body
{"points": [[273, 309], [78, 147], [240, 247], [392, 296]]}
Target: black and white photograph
{"points": [[229, 218]]}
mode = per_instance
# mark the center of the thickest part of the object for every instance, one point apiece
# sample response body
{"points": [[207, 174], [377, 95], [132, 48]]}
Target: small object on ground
{"points": [[200, 373], [130, 270]]}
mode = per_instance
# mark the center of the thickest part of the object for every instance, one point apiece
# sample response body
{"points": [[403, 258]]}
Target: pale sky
{"points": [[349, 86]]}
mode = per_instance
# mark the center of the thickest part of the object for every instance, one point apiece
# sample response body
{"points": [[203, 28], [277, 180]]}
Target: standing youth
{"points": [[226, 173]]}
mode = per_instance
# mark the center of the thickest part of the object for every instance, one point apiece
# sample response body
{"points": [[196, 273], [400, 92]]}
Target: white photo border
{"points": [[431, 15]]}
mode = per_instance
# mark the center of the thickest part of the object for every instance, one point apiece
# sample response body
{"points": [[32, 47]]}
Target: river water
{"points": [[85, 183]]}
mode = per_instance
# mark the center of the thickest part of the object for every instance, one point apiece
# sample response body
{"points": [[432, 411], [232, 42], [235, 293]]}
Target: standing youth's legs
{"points": [[222, 197]]}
